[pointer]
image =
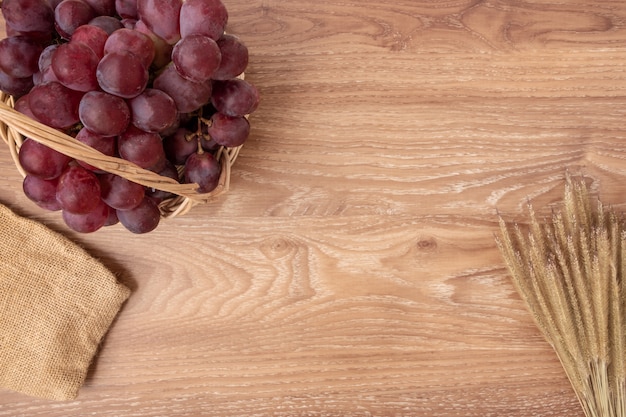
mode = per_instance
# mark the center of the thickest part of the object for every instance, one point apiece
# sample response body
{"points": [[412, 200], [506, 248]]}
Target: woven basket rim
{"points": [[15, 126]]}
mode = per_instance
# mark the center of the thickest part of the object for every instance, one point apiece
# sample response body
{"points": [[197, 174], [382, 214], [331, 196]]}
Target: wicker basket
{"points": [[15, 126]]}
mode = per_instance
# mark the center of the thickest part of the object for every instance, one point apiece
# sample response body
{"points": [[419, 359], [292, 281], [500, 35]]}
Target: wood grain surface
{"points": [[352, 270]]}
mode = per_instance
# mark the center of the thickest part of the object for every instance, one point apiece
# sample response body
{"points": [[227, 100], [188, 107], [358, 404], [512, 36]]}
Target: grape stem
{"points": [[207, 122]]}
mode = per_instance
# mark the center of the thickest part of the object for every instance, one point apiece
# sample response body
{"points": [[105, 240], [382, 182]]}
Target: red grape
{"points": [[104, 113], [53, 4], [54, 104], [142, 219], [203, 169], [169, 171], [104, 145], [70, 14], [41, 192], [39, 160], [130, 40], [196, 57], [188, 95], [112, 219], [234, 58], [229, 131], [22, 106], [90, 221], [28, 15], [203, 17], [102, 7], [142, 148], [161, 17], [74, 65], [127, 9], [180, 145], [92, 36], [122, 74], [209, 144], [78, 190], [19, 56], [235, 97], [153, 110], [107, 23], [162, 49], [120, 193], [45, 58], [45, 66], [16, 87]]}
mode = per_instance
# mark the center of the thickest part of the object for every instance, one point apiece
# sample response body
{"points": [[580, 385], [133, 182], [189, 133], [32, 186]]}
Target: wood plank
{"points": [[352, 268]]}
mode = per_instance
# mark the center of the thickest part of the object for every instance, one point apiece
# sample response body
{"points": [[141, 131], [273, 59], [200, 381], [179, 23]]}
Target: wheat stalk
{"points": [[568, 270]]}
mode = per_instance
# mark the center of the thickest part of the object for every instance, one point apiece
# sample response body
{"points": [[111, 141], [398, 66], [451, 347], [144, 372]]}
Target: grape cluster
{"points": [[155, 82]]}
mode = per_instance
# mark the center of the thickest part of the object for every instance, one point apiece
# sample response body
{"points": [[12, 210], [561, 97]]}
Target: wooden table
{"points": [[352, 270]]}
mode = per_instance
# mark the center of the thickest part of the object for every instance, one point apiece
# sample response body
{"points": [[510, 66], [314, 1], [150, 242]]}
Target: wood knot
{"points": [[277, 247], [427, 244]]}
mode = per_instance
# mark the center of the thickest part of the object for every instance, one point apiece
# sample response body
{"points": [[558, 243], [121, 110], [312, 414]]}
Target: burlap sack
{"points": [[56, 304]]}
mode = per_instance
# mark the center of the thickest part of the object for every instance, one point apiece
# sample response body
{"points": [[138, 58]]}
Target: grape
{"points": [[229, 131], [188, 95], [107, 23], [92, 36], [203, 17], [120, 193], [44, 77], [142, 219], [162, 49], [74, 65], [169, 171], [43, 38], [45, 58], [16, 87], [196, 57], [78, 190], [180, 145], [42, 161], [209, 144], [103, 113], [41, 192], [112, 219], [19, 56], [105, 145], [170, 130], [53, 4], [22, 106], [90, 221], [70, 14], [161, 17], [153, 110], [235, 97], [122, 74], [28, 15], [45, 68], [132, 41], [234, 58], [127, 9], [144, 149], [203, 169], [54, 104], [102, 7]]}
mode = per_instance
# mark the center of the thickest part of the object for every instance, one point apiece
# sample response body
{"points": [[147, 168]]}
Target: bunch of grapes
{"points": [[155, 82]]}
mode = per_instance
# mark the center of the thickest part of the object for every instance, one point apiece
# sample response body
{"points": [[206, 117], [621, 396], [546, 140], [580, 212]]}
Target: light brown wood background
{"points": [[352, 270]]}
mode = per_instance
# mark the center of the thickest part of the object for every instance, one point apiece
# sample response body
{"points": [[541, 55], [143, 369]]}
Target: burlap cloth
{"points": [[56, 304]]}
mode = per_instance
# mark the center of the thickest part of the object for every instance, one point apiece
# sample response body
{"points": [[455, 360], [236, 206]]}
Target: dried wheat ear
{"points": [[568, 270]]}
